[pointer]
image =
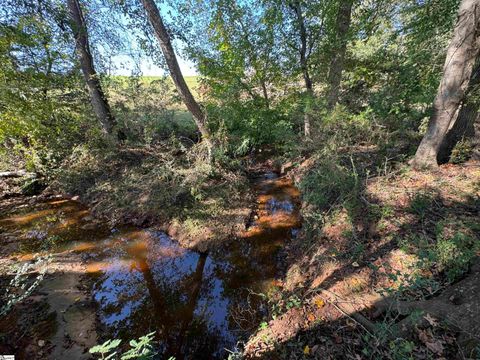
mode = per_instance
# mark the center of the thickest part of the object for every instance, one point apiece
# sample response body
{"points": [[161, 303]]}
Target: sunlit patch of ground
{"points": [[350, 264]]}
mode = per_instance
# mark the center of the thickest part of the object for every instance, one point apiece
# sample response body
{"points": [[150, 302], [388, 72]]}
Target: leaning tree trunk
{"points": [[344, 17], [97, 96], [476, 139], [296, 7], [457, 72], [466, 125], [167, 49]]}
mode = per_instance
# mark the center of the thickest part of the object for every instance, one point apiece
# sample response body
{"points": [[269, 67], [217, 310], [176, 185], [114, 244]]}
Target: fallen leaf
{"points": [[432, 321], [277, 283], [306, 350], [319, 302], [311, 317], [435, 346], [351, 323], [424, 336]]}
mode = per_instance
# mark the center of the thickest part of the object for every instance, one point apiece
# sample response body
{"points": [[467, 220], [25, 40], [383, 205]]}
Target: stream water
{"points": [[198, 304]]}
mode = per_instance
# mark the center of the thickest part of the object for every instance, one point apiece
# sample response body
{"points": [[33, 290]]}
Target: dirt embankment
{"points": [[356, 282]]}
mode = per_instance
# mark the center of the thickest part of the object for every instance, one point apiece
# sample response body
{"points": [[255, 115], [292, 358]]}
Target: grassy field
{"points": [[180, 112], [192, 81]]}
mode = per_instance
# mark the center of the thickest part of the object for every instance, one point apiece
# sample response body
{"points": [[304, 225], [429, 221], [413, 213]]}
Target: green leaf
{"points": [[105, 347]]}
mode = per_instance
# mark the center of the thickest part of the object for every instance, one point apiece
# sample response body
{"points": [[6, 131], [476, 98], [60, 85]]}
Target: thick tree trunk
{"points": [[97, 96], [457, 73], [336, 67], [464, 126], [167, 49], [476, 138], [296, 7]]}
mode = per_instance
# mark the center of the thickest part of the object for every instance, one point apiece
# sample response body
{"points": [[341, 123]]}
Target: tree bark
{"points": [[466, 126], [457, 73], [463, 128], [265, 94], [476, 138], [167, 49], [296, 7], [97, 96], [344, 17], [19, 173]]}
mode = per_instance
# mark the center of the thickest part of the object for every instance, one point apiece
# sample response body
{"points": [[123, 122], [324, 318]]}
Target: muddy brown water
{"points": [[198, 304]]}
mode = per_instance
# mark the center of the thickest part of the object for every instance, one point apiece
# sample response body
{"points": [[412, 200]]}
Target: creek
{"points": [[140, 280]]}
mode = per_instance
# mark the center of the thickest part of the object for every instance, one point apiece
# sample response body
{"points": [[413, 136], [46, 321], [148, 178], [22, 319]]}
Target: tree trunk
{"points": [[167, 49], [97, 96], [476, 138], [265, 94], [336, 67], [296, 7], [457, 73], [464, 127]]}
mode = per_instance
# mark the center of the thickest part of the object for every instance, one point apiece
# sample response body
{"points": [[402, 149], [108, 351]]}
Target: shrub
{"points": [[331, 182], [454, 255], [462, 151]]}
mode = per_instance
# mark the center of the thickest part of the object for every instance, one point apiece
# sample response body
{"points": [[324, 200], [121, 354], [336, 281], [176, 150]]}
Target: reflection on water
{"points": [[198, 304], [160, 286], [54, 225]]}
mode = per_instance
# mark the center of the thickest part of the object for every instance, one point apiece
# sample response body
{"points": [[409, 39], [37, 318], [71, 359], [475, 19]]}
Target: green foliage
{"points": [[454, 254], [332, 182], [451, 253], [22, 285], [107, 350], [401, 349], [248, 126], [141, 349], [42, 111], [263, 325], [148, 110], [421, 203], [462, 151]]}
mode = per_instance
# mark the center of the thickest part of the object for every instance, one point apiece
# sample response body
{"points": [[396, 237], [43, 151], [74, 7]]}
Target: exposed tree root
{"points": [[458, 307]]}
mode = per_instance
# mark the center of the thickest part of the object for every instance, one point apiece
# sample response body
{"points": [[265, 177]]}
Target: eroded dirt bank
{"points": [[389, 281]]}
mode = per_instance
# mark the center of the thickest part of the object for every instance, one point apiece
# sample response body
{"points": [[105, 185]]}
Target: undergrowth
{"points": [[153, 185]]}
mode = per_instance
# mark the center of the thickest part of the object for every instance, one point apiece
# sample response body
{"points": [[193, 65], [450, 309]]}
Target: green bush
{"points": [[454, 254], [331, 182], [247, 126], [462, 151]]}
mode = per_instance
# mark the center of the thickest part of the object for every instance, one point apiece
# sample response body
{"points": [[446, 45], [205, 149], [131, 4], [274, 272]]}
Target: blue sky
{"points": [[124, 66]]}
